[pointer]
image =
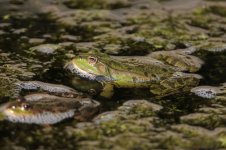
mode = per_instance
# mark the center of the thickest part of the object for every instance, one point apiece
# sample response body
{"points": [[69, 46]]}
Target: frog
{"points": [[41, 103], [162, 72]]}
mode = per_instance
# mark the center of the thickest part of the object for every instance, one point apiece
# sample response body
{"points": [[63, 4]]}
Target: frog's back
{"points": [[142, 65], [137, 71]]}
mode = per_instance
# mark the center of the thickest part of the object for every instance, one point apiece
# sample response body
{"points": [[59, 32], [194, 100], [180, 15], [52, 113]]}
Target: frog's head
{"points": [[90, 66]]}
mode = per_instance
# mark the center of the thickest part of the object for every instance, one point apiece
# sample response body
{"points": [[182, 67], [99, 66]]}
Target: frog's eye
{"points": [[92, 60]]}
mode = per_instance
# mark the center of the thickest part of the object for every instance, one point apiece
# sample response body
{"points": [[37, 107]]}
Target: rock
{"points": [[46, 49]]}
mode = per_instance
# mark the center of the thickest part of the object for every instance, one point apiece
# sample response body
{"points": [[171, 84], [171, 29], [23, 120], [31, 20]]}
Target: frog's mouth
{"points": [[73, 68]]}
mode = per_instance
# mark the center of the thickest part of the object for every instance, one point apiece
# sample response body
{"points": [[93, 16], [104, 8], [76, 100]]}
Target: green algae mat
{"points": [[112, 74]]}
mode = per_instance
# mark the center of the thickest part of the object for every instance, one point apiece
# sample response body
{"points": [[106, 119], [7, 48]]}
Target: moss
{"points": [[87, 134], [205, 142], [222, 140], [132, 141], [206, 120], [213, 46], [200, 21], [97, 4], [116, 27], [113, 127], [123, 44], [190, 131], [141, 111], [170, 140], [218, 10], [8, 89], [2, 117]]}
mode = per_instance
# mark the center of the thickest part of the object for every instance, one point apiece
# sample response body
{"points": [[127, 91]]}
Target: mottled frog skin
{"points": [[162, 72]]}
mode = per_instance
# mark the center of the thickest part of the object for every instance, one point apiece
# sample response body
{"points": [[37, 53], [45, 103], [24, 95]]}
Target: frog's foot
{"points": [[179, 82], [55, 89], [211, 92], [107, 91], [179, 59]]}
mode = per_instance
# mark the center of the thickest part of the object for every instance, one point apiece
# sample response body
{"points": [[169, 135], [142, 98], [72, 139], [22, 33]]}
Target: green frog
{"points": [[163, 72]]}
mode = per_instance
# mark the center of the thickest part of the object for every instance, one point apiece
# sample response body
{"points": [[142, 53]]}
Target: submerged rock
{"points": [[48, 109], [211, 92], [28, 30], [45, 49], [213, 46], [179, 59]]}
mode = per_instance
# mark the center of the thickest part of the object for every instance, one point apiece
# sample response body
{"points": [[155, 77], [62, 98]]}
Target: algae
{"points": [[121, 27]]}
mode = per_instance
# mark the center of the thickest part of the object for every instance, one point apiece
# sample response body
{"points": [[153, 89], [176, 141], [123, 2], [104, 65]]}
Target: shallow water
{"points": [[122, 27]]}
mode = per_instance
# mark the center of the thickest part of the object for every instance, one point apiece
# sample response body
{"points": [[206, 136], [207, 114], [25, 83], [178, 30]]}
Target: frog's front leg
{"points": [[107, 91], [87, 86]]}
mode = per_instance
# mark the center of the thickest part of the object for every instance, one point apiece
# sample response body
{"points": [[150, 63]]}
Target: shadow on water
{"points": [[214, 69]]}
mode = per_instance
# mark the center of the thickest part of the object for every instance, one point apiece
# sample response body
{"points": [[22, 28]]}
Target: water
{"points": [[19, 32]]}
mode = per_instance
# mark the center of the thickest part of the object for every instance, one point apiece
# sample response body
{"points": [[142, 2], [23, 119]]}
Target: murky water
{"points": [[122, 27]]}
